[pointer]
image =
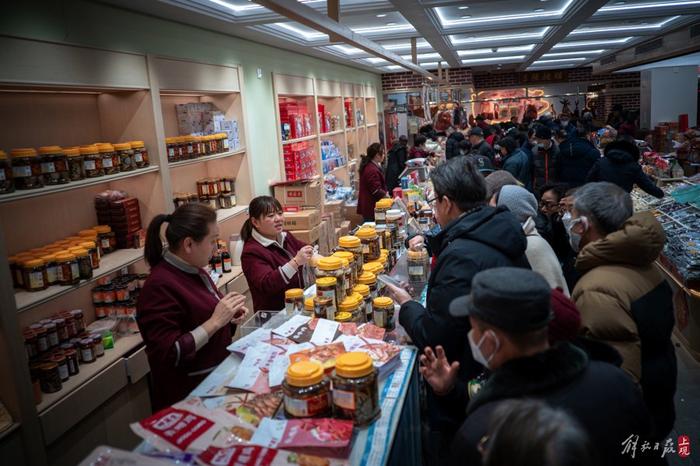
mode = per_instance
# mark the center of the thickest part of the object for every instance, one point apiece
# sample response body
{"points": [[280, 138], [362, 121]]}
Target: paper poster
{"points": [[298, 433]]}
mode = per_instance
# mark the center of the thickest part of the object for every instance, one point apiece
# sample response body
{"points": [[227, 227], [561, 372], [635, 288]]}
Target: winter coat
{"points": [[396, 163], [605, 402], [372, 188], [416, 153], [626, 302], [452, 144], [576, 158], [481, 162], [542, 258], [483, 148], [545, 166], [621, 167], [262, 266], [518, 165]]}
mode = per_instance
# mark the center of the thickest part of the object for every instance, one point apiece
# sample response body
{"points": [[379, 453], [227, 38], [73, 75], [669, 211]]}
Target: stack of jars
{"points": [[28, 168], [56, 347], [116, 298], [218, 193], [181, 148]]}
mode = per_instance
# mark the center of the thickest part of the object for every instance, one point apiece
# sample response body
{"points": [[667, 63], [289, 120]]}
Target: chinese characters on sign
{"points": [[667, 447], [530, 77]]}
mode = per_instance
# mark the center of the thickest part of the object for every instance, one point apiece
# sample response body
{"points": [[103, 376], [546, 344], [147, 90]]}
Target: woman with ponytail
{"points": [[372, 183], [184, 320], [272, 258]]}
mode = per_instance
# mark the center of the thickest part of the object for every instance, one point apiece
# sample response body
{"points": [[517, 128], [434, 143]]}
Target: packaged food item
{"points": [[380, 209], [51, 266], [327, 287], [26, 168], [72, 360], [332, 267], [253, 455], [354, 245], [92, 161], [308, 307], [355, 388], [98, 346], [369, 279], [418, 265], [93, 251], [87, 350], [383, 308], [60, 360], [109, 157], [363, 290], [351, 306], [61, 329], [141, 159], [7, 184], [370, 243], [303, 433], [76, 170], [324, 306], [84, 263], [49, 377], [307, 391], [79, 319], [30, 343], [34, 275], [68, 269], [107, 238], [294, 300], [126, 156], [54, 165]]}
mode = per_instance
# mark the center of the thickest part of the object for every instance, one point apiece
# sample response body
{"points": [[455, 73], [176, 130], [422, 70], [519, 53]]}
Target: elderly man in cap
{"points": [[545, 158], [509, 310], [479, 146]]}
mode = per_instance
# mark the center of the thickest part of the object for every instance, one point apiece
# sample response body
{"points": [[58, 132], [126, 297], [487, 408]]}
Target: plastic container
{"points": [[7, 184], [308, 307], [54, 165], [380, 209], [294, 300], [383, 310], [109, 157], [355, 389], [327, 287], [418, 266], [126, 156], [141, 159], [354, 245], [351, 273], [76, 170], [370, 243], [307, 391], [369, 279], [34, 275], [92, 161], [332, 267], [363, 290], [26, 169], [352, 305]]}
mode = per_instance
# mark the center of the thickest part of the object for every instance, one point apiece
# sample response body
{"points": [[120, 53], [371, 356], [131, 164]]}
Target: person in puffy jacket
{"points": [[453, 142], [545, 158], [515, 161], [577, 155], [396, 162], [620, 166]]}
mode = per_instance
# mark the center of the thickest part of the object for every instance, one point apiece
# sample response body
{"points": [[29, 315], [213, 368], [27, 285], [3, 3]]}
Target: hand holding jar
{"points": [[304, 255], [231, 306]]}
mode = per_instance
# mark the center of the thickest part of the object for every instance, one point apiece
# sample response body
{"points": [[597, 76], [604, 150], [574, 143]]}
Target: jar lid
{"points": [[86, 341], [349, 242], [361, 289], [348, 304], [48, 257], [3, 155], [171, 140], [383, 252], [345, 262], [385, 203], [48, 366], [89, 149], [417, 254], [137, 144], [366, 233], [357, 297], [304, 374], [122, 146], [65, 256], [326, 281], [71, 151], [346, 255], [102, 229], [50, 326], [294, 293], [79, 252], [309, 304], [343, 316], [105, 147], [76, 312], [374, 267], [394, 213], [34, 263], [329, 263], [23, 152], [44, 150], [367, 278], [354, 364], [88, 245], [383, 301]]}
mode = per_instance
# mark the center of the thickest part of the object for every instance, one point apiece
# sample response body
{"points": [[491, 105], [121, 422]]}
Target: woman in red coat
{"points": [[185, 322], [372, 184], [272, 259]]}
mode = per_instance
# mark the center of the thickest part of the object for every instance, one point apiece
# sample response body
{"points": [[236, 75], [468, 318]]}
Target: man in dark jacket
{"points": [[510, 310], [479, 145], [621, 167], [452, 144], [624, 299], [545, 158], [577, 155], [396, 162], [474, 237], [515, 161]]}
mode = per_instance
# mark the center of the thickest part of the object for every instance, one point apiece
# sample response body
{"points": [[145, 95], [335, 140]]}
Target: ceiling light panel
{"points": [[247, 8], [592, 43], [623, 27], [559, 60], [451, 17], [496, 38], [521, 48], [622, 7], [494, 59], [576, 53]]}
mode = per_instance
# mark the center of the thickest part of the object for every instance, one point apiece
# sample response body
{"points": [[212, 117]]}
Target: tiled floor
{"points": [[687, 407]]}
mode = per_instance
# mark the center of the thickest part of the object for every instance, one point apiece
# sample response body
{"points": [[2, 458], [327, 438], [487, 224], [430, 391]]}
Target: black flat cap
{"points": [[543, 132], [513, 299], [476, 131]]}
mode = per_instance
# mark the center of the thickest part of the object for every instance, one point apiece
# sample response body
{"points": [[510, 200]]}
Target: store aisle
{"points": [[687, 407]]}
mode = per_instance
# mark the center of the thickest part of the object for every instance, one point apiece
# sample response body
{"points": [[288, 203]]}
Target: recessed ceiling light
{"points": [[527, 35], [382, 15], [493, 59], [591, 30], [466, 16], [620, 3], [622, 6], [578, 52], [539, 10], [463, 7], [589, 43], [445, 22], [391, 24]]}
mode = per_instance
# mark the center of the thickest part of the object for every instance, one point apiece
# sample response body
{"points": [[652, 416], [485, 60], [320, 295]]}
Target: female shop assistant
{"points": [[372, 184], [185, 322], [272, 259]]}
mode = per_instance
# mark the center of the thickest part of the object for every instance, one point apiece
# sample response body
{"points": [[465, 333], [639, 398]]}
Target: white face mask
{"points": [[476, 348], [564, 123], [575, 238]]}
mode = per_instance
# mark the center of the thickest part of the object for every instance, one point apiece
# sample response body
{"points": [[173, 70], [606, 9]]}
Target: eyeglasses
{"points": [[549, 204], [432, 200]]}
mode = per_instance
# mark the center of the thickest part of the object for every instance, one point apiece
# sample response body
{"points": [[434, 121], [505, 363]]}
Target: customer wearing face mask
{"points": [[577, 155], [545, 158], [515, 161], [509, 311], [473, 237], [623, 298], [566, 124]]}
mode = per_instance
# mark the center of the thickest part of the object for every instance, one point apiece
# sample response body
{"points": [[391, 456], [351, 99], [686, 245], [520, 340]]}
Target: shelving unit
{"points": [[56, 103]]}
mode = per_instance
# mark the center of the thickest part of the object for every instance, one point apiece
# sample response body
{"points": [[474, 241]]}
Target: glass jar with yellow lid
{"points": [[34, 275], [307, 391], [308, 307], [369, 279], [351, 306], [106, 238], [68, 269], [332, 267], [343, 317], [172, 149], [327, 287], [350, 258], [54, 165], [76, 170], [51, 266], [363, 290], [418, 265], [92, 161], [383, 311], [354, 245], [293, 301], [140, 154], [355, 388], [94, 252], [380, 209], [324, 307], [126, 156], [84, 263], [110, 159], [26, 168], [7, 185], [370, 243]]}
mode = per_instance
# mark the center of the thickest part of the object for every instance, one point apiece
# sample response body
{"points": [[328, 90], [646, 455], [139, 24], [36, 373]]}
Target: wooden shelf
{"points": [[108, 264], [332, 133], [352, 128], [305, 138], [122, 346], [225, 214], [207, 158], [369, 125], [29, 193]]}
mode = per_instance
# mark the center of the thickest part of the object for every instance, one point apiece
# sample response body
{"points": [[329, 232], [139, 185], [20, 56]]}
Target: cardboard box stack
{"points": [[297, 196], [305, 225]]}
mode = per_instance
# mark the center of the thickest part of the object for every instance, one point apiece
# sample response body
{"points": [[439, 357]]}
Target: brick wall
{"points": [[409, 80]]}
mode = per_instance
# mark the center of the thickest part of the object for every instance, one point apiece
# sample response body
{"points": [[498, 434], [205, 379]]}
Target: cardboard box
{"points": [[308, 236], [304, 220], [309, 194], [325, 238], [345, 228]]}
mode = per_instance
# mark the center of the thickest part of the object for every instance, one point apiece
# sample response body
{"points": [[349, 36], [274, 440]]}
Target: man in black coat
{"points": [[577, 155], [545, 158], [452, 144], [474, 237], [479, 145], [396, 162], [509, 310]]}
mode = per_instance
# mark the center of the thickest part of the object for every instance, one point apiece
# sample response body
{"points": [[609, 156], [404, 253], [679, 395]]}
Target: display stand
{"points": [[54, 102]]}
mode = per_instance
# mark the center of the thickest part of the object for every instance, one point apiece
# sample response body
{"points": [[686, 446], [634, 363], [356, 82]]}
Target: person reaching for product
{"points": [[272, 259], [372, 183], [184, 320]]}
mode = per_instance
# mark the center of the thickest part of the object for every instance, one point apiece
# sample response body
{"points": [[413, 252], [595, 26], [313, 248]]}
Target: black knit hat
{"points": [[623, 146], [543, 132]]}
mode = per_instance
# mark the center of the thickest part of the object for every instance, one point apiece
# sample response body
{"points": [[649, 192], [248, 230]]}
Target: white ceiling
{"points": [[484, 34]]}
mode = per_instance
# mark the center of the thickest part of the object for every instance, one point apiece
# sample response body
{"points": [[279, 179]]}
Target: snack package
{"points": [[324, 355], [385, 356], [252, 374], [250, 407], [108, 456], [187, 427], [303, 433], [260, 456]]}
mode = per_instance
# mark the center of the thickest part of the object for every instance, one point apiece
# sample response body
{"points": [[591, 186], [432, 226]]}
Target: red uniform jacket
{"points": [[262, 266], [176, 299], [372, 188]]}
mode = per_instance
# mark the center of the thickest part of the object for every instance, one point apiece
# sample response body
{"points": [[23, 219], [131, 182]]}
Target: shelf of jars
{"points": [[207, 158]]}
